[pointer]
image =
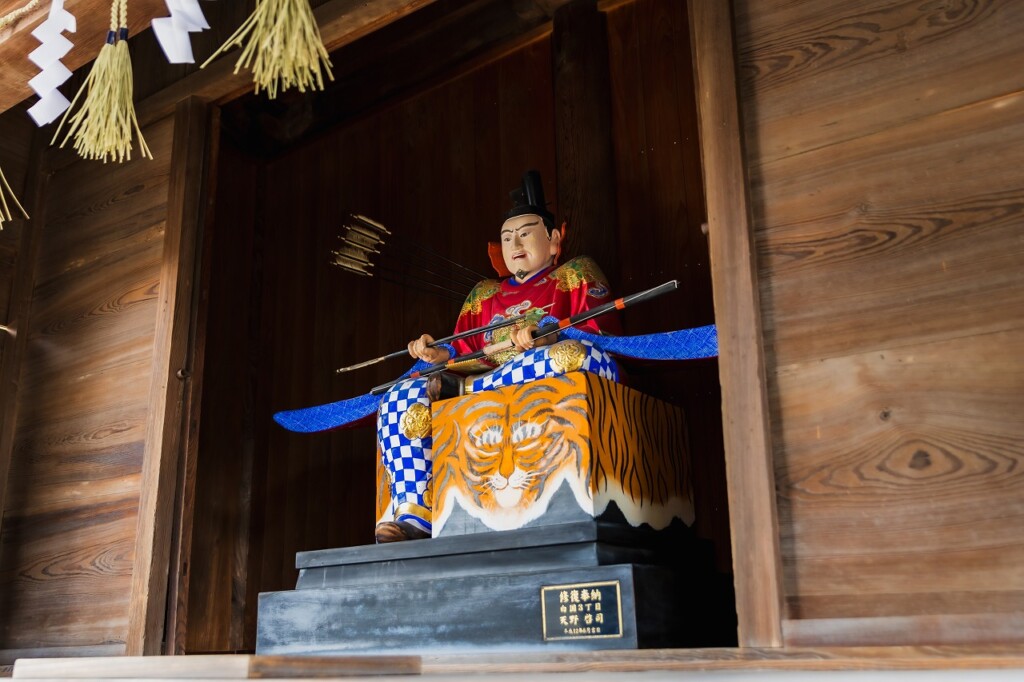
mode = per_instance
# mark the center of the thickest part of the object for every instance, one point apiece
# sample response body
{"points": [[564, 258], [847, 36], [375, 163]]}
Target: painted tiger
{"points": [[501, 455]]}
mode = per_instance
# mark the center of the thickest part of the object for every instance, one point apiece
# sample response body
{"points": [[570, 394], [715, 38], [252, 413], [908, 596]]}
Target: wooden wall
{"points": [[16, 160], [883, 147], [15, 144], [68, 538]]}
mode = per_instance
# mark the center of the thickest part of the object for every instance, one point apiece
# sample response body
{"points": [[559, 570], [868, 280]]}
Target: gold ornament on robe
{"points": [[567, 356], [480, 293], [577, 272], [415, 423]]}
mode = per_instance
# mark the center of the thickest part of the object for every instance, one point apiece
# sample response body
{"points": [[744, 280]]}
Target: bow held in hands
{"points": [[422, 349]]}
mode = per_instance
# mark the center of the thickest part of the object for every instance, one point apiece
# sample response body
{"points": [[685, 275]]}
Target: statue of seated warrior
{"points": [[534, 286]]}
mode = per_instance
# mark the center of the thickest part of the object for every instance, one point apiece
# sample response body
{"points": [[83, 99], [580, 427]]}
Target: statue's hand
{"points": [[419, 348], [523, 339]]}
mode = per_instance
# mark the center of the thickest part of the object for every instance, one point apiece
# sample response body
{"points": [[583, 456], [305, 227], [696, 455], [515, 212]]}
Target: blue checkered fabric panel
{"points": [[536, 364], [408, 461]]}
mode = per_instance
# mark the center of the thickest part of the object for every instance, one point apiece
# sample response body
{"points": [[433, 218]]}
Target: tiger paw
{"points": [[397, 531]]}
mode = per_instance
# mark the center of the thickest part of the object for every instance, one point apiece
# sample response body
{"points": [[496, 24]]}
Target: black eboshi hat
{"points": [[528, 198]]}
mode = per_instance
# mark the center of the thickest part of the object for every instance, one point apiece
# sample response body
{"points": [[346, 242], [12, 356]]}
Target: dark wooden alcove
{"points": [[428, 124]]}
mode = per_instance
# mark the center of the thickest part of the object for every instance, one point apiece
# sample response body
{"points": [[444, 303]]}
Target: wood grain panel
{"points": [[65, 575], [938, 448], [962, 629], [890, 260], [67, 548], [15, 143], [888, 216], [903, 604], [21, 246], [872, 66]]}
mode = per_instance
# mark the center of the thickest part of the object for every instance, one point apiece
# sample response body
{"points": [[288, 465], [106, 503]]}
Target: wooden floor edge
{"points": [[217, 666], [816, 659], [247, 666]]}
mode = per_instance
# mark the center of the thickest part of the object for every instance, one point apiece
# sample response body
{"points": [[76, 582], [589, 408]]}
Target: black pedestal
{"points": [[585, 585]]}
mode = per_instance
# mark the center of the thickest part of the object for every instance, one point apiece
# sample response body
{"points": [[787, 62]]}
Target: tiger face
{"points": [[506, 450], [509, 458]]}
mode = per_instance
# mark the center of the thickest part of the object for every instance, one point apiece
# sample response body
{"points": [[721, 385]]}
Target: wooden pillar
{"points": [[750, 475], [165, 429], [583, 134]]}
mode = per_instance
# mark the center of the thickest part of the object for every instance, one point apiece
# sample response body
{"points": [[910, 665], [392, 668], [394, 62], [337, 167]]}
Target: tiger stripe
{"points": [[502, 455]]}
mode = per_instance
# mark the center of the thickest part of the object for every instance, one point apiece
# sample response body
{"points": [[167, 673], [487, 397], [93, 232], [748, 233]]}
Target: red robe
{"points": [[572, 288]]}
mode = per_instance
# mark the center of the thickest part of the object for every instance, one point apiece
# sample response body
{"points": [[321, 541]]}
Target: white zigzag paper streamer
{"points": [[47, 57], [172, 32]]}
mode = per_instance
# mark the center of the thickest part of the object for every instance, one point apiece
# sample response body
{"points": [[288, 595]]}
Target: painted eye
{"points": [[525, 431], [489, 437]]}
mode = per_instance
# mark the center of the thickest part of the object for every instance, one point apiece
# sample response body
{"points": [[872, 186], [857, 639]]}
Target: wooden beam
{"points": [[748, 454], [164, 430], [341, 22]]}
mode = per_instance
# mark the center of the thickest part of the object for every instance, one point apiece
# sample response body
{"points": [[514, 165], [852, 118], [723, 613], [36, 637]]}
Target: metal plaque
{"points": [[581, 611]]}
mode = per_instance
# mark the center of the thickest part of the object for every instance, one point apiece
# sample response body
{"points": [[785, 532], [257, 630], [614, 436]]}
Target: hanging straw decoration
{"points": [[103, 125], [5, 211], [285, 48]]}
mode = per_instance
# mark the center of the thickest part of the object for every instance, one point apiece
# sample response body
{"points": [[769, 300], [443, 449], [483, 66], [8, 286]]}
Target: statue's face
{"points": [[526, 246]]}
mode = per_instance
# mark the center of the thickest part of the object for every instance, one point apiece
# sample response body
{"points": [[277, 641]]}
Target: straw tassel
{"points": [[5, 211], [284, 47], [103, 126]]}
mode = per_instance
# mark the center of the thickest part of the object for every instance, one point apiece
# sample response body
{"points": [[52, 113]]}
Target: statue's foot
{"points": [[397, 531]]}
